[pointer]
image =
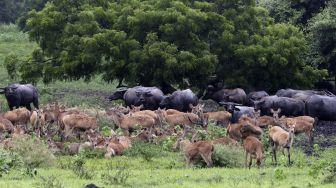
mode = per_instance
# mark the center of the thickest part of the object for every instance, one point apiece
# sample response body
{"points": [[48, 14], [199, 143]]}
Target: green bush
{"points": [[120, 177], [145, 150], [49, 182], [228, 156], [215, 132], [329, 173], [92, 153], [34, 152], [79, 169], [225, 156], [9, 161]]}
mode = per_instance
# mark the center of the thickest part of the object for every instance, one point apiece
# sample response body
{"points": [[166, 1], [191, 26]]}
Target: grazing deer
{"points": [[253, 150], [192, 149]]}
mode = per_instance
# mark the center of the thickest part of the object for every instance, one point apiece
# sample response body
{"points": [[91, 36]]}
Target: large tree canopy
{"points": [[293, 11], [322, 34], [182, 42]]}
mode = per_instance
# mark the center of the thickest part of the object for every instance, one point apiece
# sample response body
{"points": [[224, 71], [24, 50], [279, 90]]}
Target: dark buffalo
{"points": [[255, 96], [237, 95], [149, 97], [237, 110], [292, 92], [322, 107], [180, 100], [18, 95], [288, 106], [119, 94]]}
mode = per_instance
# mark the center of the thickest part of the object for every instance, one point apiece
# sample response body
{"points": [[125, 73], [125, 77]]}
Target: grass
{"points": [[165, 169], [155, 174]]}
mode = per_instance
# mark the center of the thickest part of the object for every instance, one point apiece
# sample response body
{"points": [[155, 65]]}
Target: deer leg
{"points": [[274, 153], [246, 155], [289, 161], [250, 163], [188, 160], [207, 159]]}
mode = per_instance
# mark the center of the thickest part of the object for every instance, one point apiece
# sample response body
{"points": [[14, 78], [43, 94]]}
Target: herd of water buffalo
{"points": [[318, 104]]}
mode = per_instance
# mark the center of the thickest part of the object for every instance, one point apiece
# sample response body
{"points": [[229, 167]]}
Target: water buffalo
{"points": [[255, 96], [180, 100], [18, 95], [237, 110], [292, 92], [149, 97], [288, 106], [322, 107], [237, 95]]}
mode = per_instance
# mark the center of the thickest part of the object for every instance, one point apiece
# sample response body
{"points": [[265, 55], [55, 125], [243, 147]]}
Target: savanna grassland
{"points": [[144, 165]]}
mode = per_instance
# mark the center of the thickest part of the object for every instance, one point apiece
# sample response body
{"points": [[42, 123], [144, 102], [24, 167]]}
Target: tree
{"points": [[322, 34], [154, 42], [8, 11], [296, 12]]}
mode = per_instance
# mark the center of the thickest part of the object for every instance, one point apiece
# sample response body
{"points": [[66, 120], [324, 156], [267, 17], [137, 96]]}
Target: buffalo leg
{"points": [[36, 103], [28, 107], [246, 156]]}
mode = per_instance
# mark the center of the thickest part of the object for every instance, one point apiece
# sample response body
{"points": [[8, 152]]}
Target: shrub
{"points": [[279, 174], [8, 161], [118, 178], [228, 156], [49, 182], [79, 169], [92, 153], [11, 64], [145, 150], [215, 132], [34, 152], [225, 156], [329, 173]]}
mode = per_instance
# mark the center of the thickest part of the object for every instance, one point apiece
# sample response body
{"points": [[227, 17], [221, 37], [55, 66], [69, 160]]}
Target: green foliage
{"points": [[294, 12], [11, 63], [214, 132], [321, 34], [225, 156], [233, 40], [79, 169], [9, 161], [11, 10], [49, 182], [279, 174], [92, 153], [34, 152], [145, 150], [119, 177], [330, 173]]}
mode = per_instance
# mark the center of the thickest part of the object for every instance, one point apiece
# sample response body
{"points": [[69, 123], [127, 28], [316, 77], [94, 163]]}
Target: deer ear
{"points": [[272, 111], [279, 110], [190, 105]]}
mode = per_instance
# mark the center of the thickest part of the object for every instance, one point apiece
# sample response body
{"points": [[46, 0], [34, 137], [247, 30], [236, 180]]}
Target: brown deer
{"points": [[279, 137], [253, 150], [192, 149]]}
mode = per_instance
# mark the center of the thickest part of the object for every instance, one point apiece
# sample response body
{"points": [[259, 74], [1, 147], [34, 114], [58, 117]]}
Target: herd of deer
{"points": [[153, 126]]}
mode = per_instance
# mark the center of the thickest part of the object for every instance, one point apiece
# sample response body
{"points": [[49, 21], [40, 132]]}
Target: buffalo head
{"points": [[119, 94], [230, 106]]}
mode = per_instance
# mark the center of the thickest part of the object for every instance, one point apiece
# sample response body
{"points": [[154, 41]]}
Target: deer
{"points": [[193, 148], [279, 137]]}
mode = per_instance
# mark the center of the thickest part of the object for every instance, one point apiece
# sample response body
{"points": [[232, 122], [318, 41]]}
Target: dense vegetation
{"points": [[263, 45], [150, 166]]}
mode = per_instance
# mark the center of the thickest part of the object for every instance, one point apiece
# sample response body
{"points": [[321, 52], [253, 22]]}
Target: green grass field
{"points": [[164, 169]]}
